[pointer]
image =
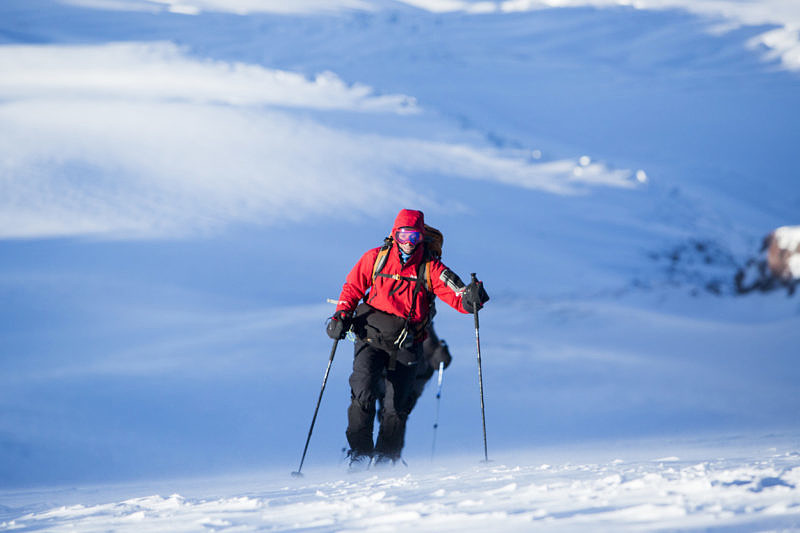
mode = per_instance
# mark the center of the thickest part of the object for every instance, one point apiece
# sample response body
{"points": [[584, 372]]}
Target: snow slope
{"points": [[748, 488], [782, 41], [181, 188]]}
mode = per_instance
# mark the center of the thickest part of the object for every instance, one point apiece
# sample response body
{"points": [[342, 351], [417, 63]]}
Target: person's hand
{"points": [[339, 324], [474, 296]]}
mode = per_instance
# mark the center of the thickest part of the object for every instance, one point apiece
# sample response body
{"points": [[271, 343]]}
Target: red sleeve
{"points": [[447, 286], [358, 281]]}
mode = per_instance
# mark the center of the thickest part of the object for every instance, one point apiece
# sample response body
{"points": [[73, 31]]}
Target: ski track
{"points": [[664, 493]]}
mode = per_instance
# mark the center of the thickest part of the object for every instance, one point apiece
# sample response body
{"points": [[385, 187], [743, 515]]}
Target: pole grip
{"points": [[474, 278]]}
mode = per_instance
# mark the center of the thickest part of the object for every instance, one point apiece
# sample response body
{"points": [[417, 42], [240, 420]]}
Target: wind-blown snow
{"points": [[134, 121], [756, 492], [162, 71]]}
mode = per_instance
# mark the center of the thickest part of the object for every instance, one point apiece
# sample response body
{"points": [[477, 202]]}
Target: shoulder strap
{"points": [[383, 254], [427, 276]]}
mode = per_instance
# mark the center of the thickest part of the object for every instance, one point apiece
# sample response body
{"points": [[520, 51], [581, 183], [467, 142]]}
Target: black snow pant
{"points": [[371, 382]]}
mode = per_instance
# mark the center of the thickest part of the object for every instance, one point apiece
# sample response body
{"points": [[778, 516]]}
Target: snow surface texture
{"points": [[756, 491], [183, 184], [142, 110], [783, 41]]}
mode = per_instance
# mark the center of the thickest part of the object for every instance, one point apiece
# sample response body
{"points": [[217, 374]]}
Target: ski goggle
{"points": [[408, 236]]}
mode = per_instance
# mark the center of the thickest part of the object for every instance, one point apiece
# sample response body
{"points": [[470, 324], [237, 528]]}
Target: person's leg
{"points": [[368, 365], [395, 409]]}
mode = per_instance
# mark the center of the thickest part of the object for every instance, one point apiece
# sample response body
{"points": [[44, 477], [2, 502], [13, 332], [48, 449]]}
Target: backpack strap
{"points": [[426, 273], [383, 254]]}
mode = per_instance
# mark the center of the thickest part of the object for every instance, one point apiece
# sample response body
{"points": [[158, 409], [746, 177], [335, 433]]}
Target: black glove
{"points": [[441, 355], [474, 296], [339, 324]]}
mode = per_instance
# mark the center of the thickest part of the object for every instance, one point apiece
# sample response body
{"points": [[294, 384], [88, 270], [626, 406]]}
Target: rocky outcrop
{"points": [[777, 266]]}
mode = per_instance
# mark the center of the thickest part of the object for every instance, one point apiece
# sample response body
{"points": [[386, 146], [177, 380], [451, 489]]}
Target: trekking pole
{"points": [[438, 403], [314, 419], [480, 378]]}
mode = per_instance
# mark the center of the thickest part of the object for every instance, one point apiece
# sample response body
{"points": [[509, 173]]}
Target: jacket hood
{"points": [[409, 218]]}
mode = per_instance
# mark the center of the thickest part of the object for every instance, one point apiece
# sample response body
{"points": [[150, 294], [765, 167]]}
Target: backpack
{"points": [[434, 240]]}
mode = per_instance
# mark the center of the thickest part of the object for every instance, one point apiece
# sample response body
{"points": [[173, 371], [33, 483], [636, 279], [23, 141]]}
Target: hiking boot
{"points": [[385, 461], [358, 462]]}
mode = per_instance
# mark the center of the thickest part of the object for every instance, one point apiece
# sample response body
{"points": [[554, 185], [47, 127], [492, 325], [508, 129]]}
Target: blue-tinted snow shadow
{"points": [[633, 87]]}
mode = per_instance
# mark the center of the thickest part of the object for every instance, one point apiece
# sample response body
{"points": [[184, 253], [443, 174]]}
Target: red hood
{"points": [[409, 218]]}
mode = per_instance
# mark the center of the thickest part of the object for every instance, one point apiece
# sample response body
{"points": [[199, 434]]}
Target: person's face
{"points": [[408, 248]]}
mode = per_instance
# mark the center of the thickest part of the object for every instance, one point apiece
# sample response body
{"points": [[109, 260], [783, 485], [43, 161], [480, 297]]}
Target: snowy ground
{"points": [[730, 484], [183, 183]]}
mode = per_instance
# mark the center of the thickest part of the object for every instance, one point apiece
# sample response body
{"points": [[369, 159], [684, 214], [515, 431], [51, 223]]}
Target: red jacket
{"points": [[446, 285]]}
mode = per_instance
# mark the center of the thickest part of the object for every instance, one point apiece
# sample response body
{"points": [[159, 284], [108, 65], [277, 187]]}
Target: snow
{"points": [[184, 184], [141, 109], [162, 71], [783, 42], [243, 7], [751, 487], [788, 238]]}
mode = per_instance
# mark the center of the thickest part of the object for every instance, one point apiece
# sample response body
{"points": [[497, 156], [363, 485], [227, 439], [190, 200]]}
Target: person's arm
{"points": [[447, 286], [357, 282], [450, 289]]}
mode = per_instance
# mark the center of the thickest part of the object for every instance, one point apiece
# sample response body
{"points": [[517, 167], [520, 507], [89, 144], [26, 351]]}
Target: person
{"points": [[434, 351], [397, 282]]}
